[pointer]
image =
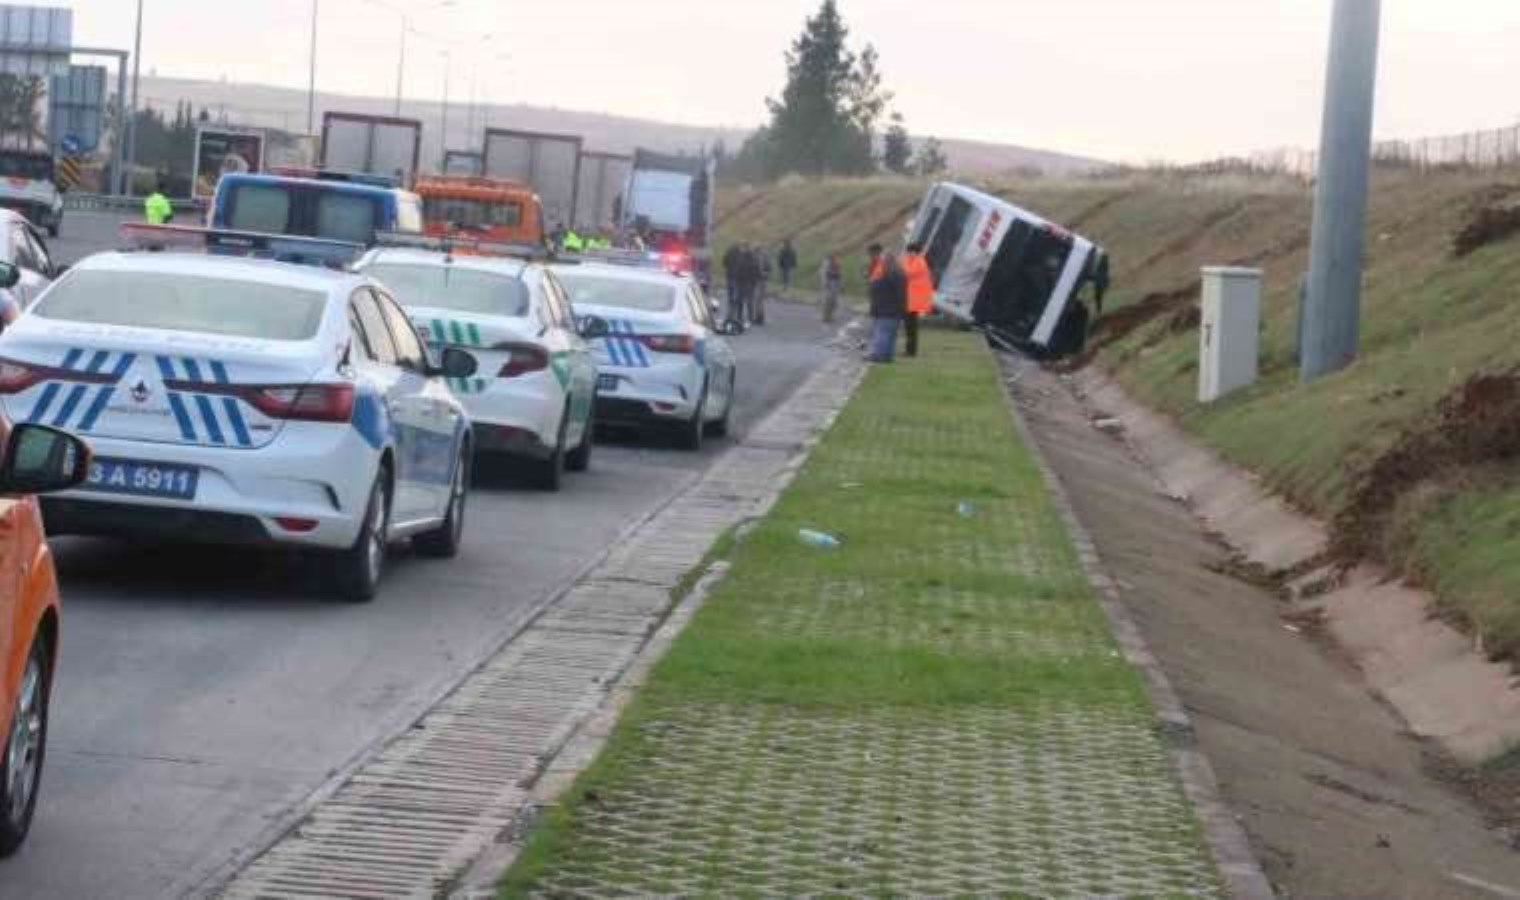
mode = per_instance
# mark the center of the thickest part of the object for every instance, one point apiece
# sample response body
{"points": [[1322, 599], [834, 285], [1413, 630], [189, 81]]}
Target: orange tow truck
{"points": [[484, 209]]}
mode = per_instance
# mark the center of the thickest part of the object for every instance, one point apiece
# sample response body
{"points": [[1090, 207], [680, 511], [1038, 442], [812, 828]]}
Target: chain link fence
{"points": [[1492, 149]]}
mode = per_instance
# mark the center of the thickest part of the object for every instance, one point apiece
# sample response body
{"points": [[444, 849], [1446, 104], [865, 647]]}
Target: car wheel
{"points": [[721, 427], [21, 766], [445, 542], [359, 567], [691, 433], [551, 471], [579, 459]]}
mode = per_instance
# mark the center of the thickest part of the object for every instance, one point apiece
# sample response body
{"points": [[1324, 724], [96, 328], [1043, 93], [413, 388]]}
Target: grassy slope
{"points": [[1430, 322]]}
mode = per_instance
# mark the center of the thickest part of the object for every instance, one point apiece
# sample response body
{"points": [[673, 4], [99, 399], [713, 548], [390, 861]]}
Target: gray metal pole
{"points": [[136, 80], [443, 149], [120, 175], [311, 91], [401, 67], [1332, 312]]}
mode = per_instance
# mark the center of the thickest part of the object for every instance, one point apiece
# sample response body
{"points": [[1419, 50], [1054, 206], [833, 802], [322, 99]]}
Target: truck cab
{"points": [[488, 209], [335, 206]]}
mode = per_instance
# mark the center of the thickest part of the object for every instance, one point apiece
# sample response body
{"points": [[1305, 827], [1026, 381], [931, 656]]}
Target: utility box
{"points": [[1230, 332]]}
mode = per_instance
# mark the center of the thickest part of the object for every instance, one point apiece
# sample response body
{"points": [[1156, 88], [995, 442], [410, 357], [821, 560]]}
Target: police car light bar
{"points": [[461, 244], [640, 259], [278, 247]]}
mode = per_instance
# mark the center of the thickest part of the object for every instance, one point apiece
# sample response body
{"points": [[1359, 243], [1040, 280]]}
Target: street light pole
{"points": [[131, 136], [443, 150], [401, 65], [311, 91], [1331, 326]]}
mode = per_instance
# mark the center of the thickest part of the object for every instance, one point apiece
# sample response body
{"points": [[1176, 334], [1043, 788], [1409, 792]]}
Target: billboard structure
{"points": [[221, 152], [77, 110]]}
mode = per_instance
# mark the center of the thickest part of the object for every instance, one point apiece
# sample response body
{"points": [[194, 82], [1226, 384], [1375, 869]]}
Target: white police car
{"points": [[664, 361], [235, 400], [533, 392]]}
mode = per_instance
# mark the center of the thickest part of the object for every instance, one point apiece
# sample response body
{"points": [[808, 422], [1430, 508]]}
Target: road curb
{"points": [[1227, 840], [444, 797]]}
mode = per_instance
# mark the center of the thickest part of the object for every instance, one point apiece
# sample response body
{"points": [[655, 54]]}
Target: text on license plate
{"points": [[606, 382], [125, 476]]}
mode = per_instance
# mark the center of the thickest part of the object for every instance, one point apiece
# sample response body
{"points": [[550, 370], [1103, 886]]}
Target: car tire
{"points": [[25, 748], [551, 471], [360, 567], [721, 428], [691, 433], [444, 543], [579, 459]]}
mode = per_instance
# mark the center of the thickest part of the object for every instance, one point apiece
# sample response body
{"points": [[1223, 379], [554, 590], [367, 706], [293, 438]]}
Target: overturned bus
{"points": [[1008, 270]]}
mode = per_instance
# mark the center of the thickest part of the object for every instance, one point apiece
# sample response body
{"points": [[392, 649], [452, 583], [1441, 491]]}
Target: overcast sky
{"points": [[1121, 79]]}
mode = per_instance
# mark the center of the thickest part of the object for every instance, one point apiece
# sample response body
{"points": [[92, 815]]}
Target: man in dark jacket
{"points": [[786, 261], [889, 303]]}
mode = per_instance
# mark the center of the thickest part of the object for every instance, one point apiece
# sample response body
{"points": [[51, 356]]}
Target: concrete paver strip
{"points": [[448, 788]]}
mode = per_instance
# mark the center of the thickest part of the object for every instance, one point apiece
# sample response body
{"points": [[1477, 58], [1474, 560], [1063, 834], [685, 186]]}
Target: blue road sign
{"points": [[72, 145]]}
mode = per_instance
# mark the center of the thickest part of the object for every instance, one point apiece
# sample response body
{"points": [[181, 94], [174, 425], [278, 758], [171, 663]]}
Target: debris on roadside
{"points": [[1109, 426], [966, 509], [819, 539]]}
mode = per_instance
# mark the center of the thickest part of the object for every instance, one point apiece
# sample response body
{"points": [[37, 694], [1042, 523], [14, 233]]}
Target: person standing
{"points": [[920, 294], [157, 209], [747, 282], [732, 262], [786, 261], [763, 288], [889, 303], [831, 276]]}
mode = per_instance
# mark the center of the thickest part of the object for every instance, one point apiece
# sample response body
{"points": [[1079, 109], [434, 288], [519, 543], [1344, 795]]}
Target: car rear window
{"points": [[623, 293], [221, 306], [260, 207], [345, 217], [453, 287]]}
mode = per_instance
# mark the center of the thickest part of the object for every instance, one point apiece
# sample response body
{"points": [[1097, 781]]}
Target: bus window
{"points": [[345, 217], [948, 238], [261, 208], [926, 233]]}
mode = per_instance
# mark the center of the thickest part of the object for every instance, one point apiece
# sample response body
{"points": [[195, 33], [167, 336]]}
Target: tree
{"points": [[931, 158], [897, 148], [824, 122], [21, 111]]}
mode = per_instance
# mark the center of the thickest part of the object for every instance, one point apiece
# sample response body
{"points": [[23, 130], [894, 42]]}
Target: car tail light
{"points": [[522, 359], [16, 377], [669, 343], [303, 403]]}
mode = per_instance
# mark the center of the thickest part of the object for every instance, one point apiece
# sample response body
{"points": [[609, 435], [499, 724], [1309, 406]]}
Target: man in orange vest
{"points": [[920, 293]]}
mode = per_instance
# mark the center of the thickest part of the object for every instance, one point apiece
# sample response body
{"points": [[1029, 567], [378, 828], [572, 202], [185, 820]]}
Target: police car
{"points": [[240, 400], [664, 361], [533, 392]]}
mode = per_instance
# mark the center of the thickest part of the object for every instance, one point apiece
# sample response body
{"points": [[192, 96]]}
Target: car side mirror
{"points": [[10, 275], [594, 327], [456, 363], [39, 459], [60, 270]]}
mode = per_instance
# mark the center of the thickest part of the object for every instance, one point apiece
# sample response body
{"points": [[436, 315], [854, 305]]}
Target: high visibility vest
{"points": [[920, 284], [574, 242], [157, 209]]}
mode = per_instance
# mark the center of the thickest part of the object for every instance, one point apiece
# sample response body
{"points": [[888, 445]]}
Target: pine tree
{"points": [[824, 122], [897, 148]]}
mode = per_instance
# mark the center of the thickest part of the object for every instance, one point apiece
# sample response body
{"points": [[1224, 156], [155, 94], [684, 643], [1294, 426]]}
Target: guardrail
{"points": [[118, 203]]}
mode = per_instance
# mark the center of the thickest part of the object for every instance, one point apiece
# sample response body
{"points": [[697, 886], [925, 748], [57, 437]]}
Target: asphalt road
{"points": [[204, 694]]}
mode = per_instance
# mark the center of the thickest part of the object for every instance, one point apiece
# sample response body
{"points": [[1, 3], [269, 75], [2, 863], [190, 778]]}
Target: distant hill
{"points": [[264, 106]]}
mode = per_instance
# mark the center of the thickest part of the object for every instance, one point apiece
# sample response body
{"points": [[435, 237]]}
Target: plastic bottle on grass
{"points": [[819, 539]]}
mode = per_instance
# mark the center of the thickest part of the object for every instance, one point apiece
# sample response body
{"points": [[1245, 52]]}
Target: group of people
{"points": [[749, 271], [901, 293]]}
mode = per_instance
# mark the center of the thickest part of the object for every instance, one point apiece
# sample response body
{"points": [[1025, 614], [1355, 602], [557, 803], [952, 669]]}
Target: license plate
{"points": [[606, 382], [142, 479]]}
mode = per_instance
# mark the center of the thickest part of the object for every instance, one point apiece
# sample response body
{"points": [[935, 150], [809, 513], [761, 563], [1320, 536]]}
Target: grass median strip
{"points": [[935, 707]]}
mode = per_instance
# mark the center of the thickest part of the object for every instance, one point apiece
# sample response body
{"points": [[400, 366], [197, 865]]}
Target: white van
{"points": [[1008, 270]]}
